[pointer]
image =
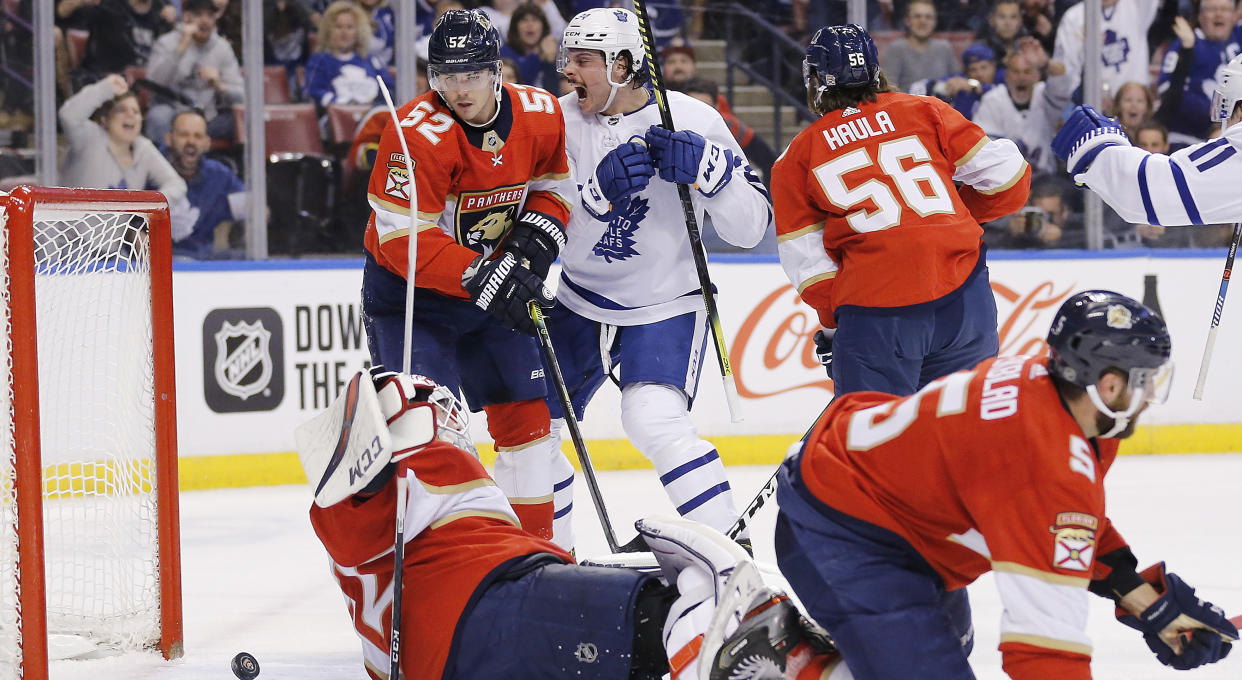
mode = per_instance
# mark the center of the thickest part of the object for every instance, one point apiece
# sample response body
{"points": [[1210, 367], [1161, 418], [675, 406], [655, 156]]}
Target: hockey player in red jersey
{"points": [[896, 504], [485, 600], [493, 188], [872, 231]]}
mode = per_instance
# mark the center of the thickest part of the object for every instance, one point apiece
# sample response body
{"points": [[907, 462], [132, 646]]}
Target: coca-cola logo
{"points": [[774, 350]]}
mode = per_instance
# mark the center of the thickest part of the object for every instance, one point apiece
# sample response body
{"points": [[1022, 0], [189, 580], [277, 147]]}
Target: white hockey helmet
{"points": [[611, 31], [1228, 90]]}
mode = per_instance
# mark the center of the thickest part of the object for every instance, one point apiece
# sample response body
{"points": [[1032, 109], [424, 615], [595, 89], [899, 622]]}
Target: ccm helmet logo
{"points": [[857, 60]]}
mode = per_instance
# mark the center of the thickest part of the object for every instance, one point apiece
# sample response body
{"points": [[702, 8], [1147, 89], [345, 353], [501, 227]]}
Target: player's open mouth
{"points": [[582, 91]]}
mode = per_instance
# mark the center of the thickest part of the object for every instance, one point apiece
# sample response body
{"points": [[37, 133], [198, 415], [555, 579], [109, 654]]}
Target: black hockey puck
{"points": [[245, 666]]}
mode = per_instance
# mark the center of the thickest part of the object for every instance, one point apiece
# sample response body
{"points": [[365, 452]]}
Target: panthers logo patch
{"points": [[485, 217]]}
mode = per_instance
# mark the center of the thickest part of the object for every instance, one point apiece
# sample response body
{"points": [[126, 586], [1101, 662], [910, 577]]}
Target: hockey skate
{"points": [[773, 641]]}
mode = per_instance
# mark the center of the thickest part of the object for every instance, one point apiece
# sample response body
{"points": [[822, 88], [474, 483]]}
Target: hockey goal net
{"points": [[89, 548]]}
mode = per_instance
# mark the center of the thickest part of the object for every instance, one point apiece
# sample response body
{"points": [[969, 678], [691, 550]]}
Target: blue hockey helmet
{"points": [[841, 56], [464, 41], [1098, 330]]}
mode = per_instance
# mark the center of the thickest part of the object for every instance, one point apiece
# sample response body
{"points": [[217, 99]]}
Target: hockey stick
{"points": [[398, 546], [575, 434], [752, 508], [1219, 309], [692, 223]]}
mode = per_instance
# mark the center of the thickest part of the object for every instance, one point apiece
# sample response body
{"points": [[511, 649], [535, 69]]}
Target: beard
{"points": [[1104, 423]]}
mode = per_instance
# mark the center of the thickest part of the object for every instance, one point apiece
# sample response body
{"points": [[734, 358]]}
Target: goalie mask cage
{"points": [[89, 547]]}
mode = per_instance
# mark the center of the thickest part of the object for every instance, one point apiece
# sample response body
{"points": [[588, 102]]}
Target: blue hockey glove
{"points": [[623, 171], [537, 238], [503, 288], [686, 157], [823, 348], [1085, 134], [1180, 608]]}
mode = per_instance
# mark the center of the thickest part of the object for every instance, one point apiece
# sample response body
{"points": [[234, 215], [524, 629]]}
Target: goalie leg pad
{"points": [[556, 621], [713, 574]]}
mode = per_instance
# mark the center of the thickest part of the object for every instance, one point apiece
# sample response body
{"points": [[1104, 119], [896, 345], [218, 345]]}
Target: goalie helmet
{"points": [[841, 57], [1228, 90], [452, 418], [463, 42], [1096, 331], [612, 31]]}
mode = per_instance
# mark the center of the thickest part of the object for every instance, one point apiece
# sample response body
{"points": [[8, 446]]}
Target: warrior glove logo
{"points": [[494, 282]]}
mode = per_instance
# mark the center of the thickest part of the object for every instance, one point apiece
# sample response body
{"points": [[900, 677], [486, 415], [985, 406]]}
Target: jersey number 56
{"points": [[921, 188]]}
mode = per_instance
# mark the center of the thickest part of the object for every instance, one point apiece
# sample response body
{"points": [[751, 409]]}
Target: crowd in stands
{"points": [[150, 92]]}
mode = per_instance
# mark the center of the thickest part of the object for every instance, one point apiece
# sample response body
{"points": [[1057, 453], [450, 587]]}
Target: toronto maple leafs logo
{"points": [[618, 242], [1115, 50]]}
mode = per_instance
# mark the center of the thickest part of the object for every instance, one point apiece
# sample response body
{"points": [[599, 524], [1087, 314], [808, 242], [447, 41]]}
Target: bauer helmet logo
{"points": [[587, 652], [1120, 317], [241, 349]]}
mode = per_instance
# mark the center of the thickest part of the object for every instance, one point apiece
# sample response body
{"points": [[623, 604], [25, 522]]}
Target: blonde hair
{"points": [[362, 44]]}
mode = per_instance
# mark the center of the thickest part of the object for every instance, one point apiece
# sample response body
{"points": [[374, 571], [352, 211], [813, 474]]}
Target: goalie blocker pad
{"points": [[346, 446]]}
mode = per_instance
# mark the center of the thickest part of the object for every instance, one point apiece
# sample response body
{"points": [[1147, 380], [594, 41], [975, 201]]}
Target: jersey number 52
{"points": [[921, 188]]}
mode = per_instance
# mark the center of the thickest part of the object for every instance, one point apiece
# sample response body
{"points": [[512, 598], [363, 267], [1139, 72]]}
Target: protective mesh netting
{"points": [[96, 410]]}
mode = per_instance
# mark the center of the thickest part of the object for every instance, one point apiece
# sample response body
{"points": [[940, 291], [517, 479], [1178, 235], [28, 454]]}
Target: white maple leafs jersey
{"points": [[1195, 185], [637, 268], [1123, 47]]}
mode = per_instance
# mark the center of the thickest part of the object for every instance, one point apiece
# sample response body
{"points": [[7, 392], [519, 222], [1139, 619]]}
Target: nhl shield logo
{"points": [[243, 359], [243, 362]]}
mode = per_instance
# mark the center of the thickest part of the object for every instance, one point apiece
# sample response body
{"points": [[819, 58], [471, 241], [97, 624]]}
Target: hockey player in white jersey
{"points": [[1195, 185], [629, 292]]}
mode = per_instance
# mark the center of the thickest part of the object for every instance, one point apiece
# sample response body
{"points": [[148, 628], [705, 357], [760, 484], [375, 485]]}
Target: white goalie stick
{"points": [[692, 223], [398, 547]]}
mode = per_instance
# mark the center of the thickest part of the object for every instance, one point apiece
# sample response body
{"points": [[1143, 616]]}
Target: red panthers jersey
{"points": [[458, 526], [470, 183], [982, 470], [867, 212]]}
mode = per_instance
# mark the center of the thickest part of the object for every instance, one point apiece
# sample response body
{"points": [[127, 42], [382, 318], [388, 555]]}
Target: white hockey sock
{"points": [[525, 475], [657, 422], [562, 491], [694, 478]]}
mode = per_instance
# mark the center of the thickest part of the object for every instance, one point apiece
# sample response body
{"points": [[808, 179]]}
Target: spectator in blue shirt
{"points": [[964, 91], [216, 196], [342, 70], [384, 22], [1200, 53]]}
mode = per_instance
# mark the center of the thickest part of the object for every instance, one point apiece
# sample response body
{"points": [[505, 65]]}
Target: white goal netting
{"points": [[97, 434]]}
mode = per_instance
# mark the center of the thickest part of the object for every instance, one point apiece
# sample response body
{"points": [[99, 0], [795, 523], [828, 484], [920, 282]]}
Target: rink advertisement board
{"points": [[263, 347]]}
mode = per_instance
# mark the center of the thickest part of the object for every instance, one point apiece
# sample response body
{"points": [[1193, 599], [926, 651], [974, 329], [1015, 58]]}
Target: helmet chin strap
{"points": [[1120, 419], [616, 87]]}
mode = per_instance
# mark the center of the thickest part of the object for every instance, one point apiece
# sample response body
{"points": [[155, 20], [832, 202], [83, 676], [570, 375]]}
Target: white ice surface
{"points": [[255, 579]]}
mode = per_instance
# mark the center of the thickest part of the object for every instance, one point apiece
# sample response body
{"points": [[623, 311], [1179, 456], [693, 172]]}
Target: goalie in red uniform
{"points": [[485, 600], [872, 230], [493, 188], [896, 504]]}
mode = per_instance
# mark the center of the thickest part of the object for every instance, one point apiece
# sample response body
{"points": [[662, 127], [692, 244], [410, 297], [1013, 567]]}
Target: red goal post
{"points": [[89, 522]]}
